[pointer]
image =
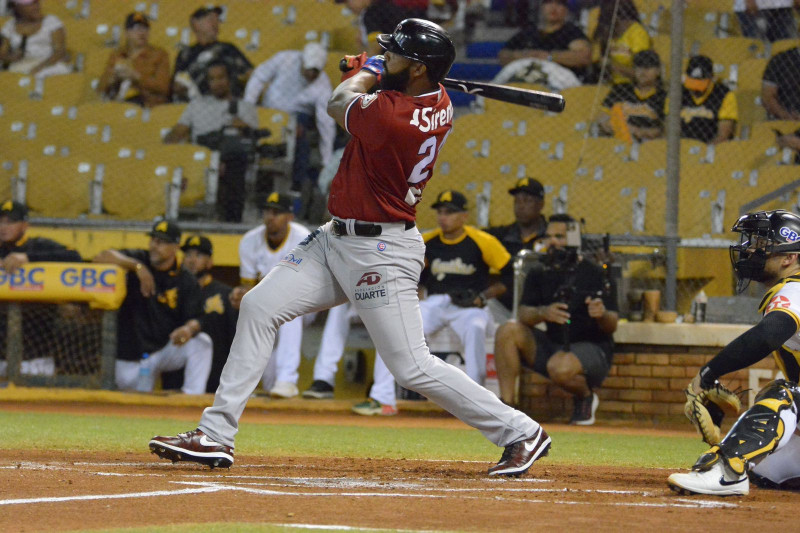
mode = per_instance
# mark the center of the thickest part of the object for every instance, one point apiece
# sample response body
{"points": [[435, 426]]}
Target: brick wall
{"points": [[645, 382]]}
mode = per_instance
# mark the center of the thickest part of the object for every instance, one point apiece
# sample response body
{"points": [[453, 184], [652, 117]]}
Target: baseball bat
{"points": [[513, 95]]}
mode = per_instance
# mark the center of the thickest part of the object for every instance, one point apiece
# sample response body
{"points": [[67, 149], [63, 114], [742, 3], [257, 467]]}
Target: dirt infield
{"points": [[59, 491]]}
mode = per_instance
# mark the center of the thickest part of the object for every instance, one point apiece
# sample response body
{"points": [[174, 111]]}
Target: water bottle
{"points": [[144, 383]]}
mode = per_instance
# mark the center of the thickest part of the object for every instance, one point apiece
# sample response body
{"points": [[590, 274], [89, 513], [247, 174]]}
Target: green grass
{"points": [[119, 434]]}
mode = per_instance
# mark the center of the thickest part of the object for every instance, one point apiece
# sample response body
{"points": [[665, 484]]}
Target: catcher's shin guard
{"points": [[759, 430]]}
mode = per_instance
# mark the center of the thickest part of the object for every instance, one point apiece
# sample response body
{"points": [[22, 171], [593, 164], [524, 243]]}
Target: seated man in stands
{"points": [[33, 43], [17, 249], [294, 81], [189, 79], [378, 16], [461, 273], [708, 108], [159, 316], [579, 308], [780, 85], [556, 40], [635, 111], [137, 72], [221, 121]]}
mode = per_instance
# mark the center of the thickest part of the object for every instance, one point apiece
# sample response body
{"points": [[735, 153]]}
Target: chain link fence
{"points": [[74, 155]]}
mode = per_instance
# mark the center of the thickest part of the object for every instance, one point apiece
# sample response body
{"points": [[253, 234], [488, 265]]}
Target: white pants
{"points": [[334, 338], [469, 323], [286, 355], [193, 356], [379, 275]]}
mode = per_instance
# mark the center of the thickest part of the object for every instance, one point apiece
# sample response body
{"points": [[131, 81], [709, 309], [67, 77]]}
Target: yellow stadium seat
{"points": [[729, 51], [280, 123], [66, 89], [581, 104], [194, 161], [15, 87], [59, 187], [749, 73], [160, 119], [750, 110], [776, 47], [136, 189]]}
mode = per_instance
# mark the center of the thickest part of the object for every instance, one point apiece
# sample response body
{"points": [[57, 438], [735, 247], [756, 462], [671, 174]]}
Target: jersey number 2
{"points": [[420, 172]]}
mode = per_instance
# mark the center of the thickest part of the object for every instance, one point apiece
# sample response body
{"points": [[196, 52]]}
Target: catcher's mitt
{"points": [[466, 298], [707, 408]]}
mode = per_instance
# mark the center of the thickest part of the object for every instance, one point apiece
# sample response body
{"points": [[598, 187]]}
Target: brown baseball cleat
{"points": [[519, 456], [194, 446]]}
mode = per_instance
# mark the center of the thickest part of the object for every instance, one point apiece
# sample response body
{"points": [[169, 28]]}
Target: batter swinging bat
{"points": [[513, 95]]}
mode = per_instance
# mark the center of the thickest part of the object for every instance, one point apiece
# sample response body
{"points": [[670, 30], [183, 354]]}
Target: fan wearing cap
{"points": [[33, 43], [190, 76], [709, 110], [218, 318], [260, 250], [635, 111], [462, 272], [295, 81], [555, 39], [525, 232], [160, 313], [137, 72]]}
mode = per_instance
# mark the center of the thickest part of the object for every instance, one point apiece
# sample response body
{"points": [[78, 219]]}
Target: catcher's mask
{"points": [[762, 234]]}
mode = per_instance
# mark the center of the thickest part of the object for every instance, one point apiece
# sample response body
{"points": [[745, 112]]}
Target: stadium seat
{"points": [[751, 111], [747, 74], [66, 89], [729, 51], [59, 187], [136, 189], [280, 123], [776, 47], [194, 161], [160, 119]]}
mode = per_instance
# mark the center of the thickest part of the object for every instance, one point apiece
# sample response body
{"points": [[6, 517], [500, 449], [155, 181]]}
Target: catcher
{"points": [[761, 446], [459, 276]]}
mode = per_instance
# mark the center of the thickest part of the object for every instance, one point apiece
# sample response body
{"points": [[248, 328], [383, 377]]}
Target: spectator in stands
{"points": [[17, 249], [33, 43], [160, 314], [635, 111], [620, 34], [221, 121], [770, 20], [461, 273], [137, 72], [260, 250], [555, 39], [708, 108], [189, 79], [379, 16], [294, 81], [218, 317], [780, 85], [579, 309], [526, 232]]}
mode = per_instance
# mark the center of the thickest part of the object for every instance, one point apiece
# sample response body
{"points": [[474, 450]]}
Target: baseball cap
{"points": [[314, 56], [201, 243], [136, 18], [699, 72], [453, 200], [203, 11], [531, 186], [167, 231], [647, 59], [281, 202], [15, 211]]}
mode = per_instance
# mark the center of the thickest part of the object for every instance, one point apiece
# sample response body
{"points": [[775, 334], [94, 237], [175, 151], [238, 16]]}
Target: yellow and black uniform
{"points": [[640, 109], [144, 324], [511, 239], [218, 319], [621, 50], [700, 116], [463, 263]]}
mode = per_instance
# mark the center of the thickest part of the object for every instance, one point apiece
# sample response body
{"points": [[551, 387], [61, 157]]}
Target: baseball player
{"points": [[160, 314], [370, 254], [458, 262], [218, 318], [762, 446], [260, 250], [331, 350], [526, 232]]}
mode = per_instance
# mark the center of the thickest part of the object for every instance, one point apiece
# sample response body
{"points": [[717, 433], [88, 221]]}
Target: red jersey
{"points": [[389, 159]]}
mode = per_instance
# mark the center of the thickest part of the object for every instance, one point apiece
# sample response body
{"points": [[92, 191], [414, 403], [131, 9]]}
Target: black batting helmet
{"points": [[762, 233], [422, 41]]}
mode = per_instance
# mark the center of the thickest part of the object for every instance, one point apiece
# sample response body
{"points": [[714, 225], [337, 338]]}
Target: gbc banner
{"points": [[102, 286]]}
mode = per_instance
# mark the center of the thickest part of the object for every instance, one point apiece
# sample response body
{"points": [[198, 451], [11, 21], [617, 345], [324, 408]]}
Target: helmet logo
{"points": [[789, 234]]}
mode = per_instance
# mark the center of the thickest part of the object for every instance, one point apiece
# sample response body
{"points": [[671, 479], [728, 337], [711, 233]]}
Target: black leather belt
{"points": [[361, 229]]}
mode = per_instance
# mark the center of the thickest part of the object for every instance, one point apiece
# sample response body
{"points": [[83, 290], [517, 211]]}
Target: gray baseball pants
{"points": [[379, 275]]}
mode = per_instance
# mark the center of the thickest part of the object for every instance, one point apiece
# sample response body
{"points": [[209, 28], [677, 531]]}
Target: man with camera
{"points": [[574, 299], [222, 122]]}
